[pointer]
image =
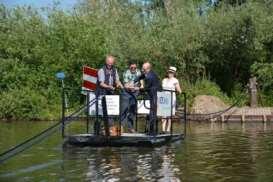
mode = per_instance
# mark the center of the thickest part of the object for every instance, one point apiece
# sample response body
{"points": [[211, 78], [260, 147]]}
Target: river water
{"points": [[210, 152]]}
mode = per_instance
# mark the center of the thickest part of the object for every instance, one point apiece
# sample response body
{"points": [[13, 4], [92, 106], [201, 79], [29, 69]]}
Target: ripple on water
{"points": [[210, 153]]}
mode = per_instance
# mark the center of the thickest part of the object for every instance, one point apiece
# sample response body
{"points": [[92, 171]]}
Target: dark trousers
{"points": [[152, 130], [107, 121], [129, 106]]}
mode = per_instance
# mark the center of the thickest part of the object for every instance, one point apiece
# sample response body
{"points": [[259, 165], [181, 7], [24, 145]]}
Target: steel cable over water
{"points": [[212, 115], [42, 135]]}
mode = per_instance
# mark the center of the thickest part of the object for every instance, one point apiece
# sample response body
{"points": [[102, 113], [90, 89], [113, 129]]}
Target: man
{"points": [[108, 81], [108, 78], [129, 103], [152, 85]]}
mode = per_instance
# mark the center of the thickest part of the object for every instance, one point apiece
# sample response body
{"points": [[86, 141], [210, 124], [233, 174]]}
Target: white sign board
{"points": [[164, 104], [92, 108], [141, 108], [112, 105]]}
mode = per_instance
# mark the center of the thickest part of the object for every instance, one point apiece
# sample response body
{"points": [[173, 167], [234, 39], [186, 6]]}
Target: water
{"points": [[211, 152]]}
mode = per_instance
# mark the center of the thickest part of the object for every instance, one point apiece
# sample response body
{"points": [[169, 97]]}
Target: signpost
{"points": [[61, 76]]}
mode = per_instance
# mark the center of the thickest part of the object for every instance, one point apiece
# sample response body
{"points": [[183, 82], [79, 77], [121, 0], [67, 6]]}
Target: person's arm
{"points": [[141, 77], [126, 80], [102, 84], [178, 88], [141, 84], [101, 79], [149, 82], [118, 83]]}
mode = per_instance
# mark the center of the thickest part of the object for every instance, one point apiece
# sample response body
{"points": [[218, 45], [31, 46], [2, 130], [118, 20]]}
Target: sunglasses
{"points": [[133, 67]]}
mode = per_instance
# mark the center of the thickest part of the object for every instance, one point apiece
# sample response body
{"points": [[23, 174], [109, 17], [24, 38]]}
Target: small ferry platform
{"points": [[100, 111], [125, 139]]}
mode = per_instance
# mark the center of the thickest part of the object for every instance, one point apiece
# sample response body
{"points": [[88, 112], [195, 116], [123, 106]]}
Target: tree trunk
{"points": [[168, 6]]}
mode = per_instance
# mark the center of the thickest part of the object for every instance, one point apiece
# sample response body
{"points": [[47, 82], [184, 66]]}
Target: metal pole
{"points": [[171, 123], [185, 114], [87, 111], [97, 124], [63, 109], [156, 118], [105, 116], [136, 114], [119, 129]]}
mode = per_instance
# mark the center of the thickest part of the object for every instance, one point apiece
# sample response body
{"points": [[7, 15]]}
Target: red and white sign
{"points": [[90, 77]]}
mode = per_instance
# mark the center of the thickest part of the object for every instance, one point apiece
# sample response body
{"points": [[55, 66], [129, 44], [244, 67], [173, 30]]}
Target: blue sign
{"points": [[60, 75]]}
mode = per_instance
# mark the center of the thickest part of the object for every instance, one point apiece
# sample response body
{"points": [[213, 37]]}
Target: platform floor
{"points": [[126, 139]]}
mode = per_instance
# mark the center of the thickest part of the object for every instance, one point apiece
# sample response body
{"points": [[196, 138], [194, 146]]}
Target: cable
{"points": [[218, 113], [40, 136]]}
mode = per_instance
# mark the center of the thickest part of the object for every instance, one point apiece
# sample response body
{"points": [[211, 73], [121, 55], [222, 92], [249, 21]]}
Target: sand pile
{"points": [[204, 104]]}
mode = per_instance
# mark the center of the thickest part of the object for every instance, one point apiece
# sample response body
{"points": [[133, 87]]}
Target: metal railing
{"points": [[99, 118]]}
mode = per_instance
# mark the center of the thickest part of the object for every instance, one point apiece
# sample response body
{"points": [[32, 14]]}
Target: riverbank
{"points": [[214, 109]]}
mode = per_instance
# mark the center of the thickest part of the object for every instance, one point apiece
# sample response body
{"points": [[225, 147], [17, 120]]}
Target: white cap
{"points": [[172, 69]]}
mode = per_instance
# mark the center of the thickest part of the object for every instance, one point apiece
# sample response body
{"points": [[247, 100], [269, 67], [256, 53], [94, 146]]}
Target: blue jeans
{"points": [[128, 108]]}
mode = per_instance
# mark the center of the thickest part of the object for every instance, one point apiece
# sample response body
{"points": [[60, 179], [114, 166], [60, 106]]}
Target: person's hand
{"points": [[121, 86], [111, 87], [136, 88]]}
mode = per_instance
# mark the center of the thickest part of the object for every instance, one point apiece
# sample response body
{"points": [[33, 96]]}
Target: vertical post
{"points": [[105, 116], [87, 111], [253, 92], [156, 118], [136, 115], [63, 109], [171, 122], [119, 127], [185, 114], [97, 124]]}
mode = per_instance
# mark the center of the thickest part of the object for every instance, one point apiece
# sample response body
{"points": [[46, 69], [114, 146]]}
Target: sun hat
{"points": [[172, 69]]}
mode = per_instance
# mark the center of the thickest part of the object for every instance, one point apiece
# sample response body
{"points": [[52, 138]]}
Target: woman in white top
{"points": [[170, 83]]}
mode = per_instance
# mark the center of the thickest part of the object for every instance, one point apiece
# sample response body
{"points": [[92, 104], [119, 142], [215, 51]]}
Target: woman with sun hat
{"points": [[170, 83]]}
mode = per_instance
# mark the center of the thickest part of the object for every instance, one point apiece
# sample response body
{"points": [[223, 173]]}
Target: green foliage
{"points": [[227, 45], [264, 74], [203, 87]]}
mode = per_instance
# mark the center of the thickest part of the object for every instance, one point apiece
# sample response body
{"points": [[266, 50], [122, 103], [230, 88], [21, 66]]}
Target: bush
{"points": [[226, 44]]}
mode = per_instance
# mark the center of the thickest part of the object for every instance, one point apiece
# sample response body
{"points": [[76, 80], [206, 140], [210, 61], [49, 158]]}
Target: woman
{"points": [[170, 83]]}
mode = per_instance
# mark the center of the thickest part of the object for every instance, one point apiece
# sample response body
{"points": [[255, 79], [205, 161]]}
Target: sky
{"points": [[64, 4]]}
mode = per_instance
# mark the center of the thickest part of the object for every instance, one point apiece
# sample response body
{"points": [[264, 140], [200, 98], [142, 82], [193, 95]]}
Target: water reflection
{"points": [[126, 164], [211, 152]]}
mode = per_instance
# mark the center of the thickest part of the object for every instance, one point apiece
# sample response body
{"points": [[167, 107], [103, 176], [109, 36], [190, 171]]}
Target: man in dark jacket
{"points": [[152, 85]]}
